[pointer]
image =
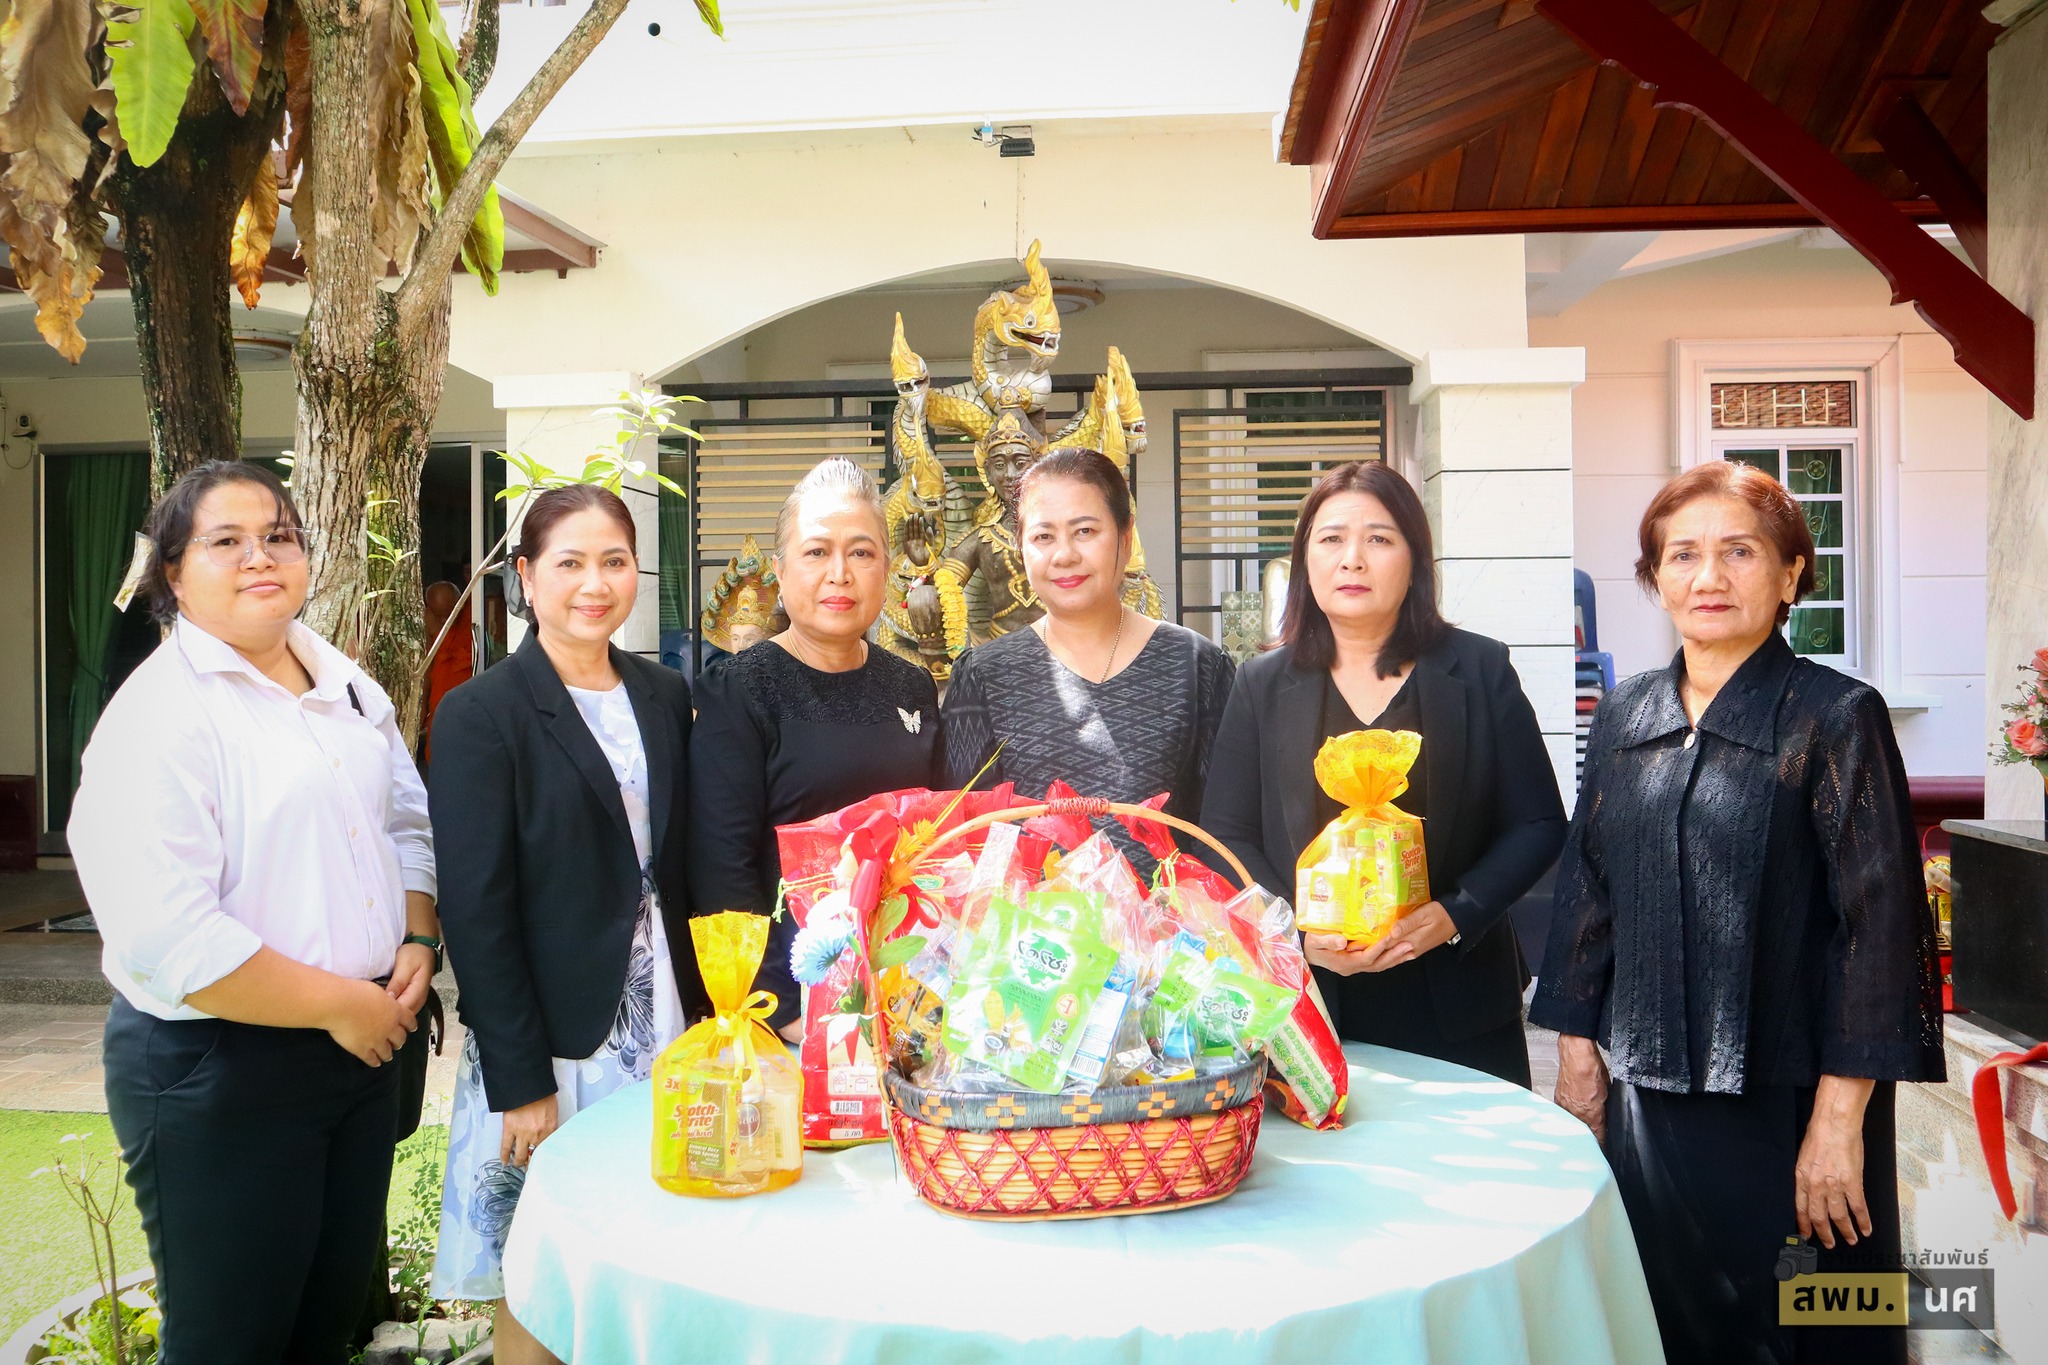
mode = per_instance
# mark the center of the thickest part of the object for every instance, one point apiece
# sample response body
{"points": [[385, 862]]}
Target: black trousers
{"points": [[1708, 1184], [260, 1160]]}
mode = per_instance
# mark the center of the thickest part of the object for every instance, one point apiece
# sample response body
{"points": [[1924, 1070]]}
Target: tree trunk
{"points": [[371, 364], [363, 432], [177, 217]]}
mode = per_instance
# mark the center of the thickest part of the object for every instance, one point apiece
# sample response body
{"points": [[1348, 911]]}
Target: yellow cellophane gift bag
{"points": [[728, 1097], [1366, 869]]}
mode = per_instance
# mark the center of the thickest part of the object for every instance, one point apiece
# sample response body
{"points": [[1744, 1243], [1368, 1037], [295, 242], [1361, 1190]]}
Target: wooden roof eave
{"points": [[1342, 84]]}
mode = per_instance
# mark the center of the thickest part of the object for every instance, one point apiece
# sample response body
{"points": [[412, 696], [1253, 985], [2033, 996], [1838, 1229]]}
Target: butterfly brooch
{"points": [[913, 721]]}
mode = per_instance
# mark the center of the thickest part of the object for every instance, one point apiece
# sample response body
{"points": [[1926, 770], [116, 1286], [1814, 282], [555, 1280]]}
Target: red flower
{"points": [[2040, 664], [2028, 738]]}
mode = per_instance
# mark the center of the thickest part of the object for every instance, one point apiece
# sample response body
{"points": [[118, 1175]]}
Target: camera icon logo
{"points": [[1796, 1258]]}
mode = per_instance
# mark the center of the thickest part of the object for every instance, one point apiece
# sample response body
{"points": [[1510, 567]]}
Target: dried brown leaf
{"points": [[400, 207], [255, 226], [234, 40], [298, 92], [46, 90]]}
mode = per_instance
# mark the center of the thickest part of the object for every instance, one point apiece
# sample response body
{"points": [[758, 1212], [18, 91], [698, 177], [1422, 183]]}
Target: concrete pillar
{"points": [[559, 419], [2016, 580], [1494, 439]]}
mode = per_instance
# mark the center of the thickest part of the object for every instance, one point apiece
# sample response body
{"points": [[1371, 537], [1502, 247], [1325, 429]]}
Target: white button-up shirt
{"points": [[217, 813]]}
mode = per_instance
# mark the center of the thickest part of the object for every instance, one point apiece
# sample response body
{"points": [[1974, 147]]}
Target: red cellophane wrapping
{"points": [[842, 1073]]}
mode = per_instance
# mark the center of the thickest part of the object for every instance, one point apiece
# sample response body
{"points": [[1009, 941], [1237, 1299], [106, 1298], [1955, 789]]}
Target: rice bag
{"points": [[1367, 868]]}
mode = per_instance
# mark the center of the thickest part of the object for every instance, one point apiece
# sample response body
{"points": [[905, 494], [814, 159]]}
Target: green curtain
{"points": [[677, 611], [107, 499]]}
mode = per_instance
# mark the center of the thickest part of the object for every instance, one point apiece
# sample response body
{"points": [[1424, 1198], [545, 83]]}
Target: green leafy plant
{"points": [[118, 1329], [413, 1244], [641, 414], [382, 558]]}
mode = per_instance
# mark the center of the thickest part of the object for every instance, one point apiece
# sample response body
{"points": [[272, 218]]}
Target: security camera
{"points": [[23, 427], [1010, 140]]}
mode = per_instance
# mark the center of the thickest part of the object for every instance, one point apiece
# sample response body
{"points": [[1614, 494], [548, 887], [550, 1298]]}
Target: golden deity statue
{"points": [[1002, 408], [744, 606]]}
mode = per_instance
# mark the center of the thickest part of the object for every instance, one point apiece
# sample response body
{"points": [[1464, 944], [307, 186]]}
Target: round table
{"points": [[1455, 1217]]}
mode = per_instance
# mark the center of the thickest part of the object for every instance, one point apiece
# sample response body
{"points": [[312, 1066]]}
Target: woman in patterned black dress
{"points": [[1093, 694]]}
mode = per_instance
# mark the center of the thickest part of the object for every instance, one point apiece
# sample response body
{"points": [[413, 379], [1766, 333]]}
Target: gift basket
{"points": [[1054, 1038]]}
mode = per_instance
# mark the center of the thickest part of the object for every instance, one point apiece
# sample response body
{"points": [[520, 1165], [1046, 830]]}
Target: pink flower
{"points": [[2028, 738], [2040, 664]]}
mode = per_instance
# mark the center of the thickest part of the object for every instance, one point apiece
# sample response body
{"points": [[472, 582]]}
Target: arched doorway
{"points": [[1245, 399]]}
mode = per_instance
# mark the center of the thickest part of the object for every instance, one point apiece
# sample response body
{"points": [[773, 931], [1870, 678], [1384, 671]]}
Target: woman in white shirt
{"points": [[558, 789], [252, 837]]}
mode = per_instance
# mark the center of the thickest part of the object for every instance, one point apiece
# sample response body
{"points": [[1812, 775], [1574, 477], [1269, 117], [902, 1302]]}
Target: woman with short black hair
{"points": [[252, 837], [1365, 646]]}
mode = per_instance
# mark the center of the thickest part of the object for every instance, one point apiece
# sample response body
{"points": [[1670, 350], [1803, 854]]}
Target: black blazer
{"points": [[1495, 821], [539, 882]]}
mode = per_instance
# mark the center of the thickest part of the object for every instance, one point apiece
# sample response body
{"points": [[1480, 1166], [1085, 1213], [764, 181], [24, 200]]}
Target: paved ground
{"points": [[31, 897]]}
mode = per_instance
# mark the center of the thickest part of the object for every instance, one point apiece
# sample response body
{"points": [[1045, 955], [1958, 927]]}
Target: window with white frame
{"points": [[1822, 416], [1805, 435]]}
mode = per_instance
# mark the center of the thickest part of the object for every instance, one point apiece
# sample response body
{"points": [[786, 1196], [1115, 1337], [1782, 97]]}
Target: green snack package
{"points": [[1023, 995], [1210, 1004], [1239, 1012]]}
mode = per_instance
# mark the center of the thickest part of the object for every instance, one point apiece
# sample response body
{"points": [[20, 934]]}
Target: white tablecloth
{"points": [[1455, 1218]]}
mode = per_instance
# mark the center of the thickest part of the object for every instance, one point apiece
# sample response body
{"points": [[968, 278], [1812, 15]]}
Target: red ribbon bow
{"points": [[1990, 1110]]}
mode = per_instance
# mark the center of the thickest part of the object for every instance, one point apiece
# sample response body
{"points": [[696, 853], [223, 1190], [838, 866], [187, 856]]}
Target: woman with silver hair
{"points": [[813, 719]]}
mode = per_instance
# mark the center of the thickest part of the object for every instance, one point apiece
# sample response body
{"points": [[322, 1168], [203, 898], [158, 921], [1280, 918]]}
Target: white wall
{"points": [[2018, 472], [868, 63], [706, 239], [1623, 452]]}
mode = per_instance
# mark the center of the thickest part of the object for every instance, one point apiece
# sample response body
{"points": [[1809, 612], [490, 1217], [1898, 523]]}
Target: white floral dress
{"points": [[479, 1193]]}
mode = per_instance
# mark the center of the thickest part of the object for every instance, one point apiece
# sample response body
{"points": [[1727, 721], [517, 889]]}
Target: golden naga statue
{"points": [[919, 613], [745, 604], [1002, 408]]}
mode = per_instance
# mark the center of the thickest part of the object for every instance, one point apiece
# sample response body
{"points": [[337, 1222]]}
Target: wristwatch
{"points": [[427, 941]]}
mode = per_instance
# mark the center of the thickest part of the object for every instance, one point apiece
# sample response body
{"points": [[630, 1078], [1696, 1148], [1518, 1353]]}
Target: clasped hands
{"points": [[1412, 935]]}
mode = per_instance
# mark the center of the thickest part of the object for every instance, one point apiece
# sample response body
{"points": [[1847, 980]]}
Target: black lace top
{"points": [[1741, 905], [777, 742]]}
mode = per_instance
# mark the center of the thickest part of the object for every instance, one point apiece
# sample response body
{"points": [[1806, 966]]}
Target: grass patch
{"points": [[43, 1236]]}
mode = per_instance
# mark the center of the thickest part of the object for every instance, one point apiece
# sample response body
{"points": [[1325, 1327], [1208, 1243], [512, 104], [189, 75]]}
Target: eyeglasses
{"points": [[233, 549]]}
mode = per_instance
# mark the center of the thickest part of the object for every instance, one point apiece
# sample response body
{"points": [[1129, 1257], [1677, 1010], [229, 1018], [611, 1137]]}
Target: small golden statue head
{"points": [[1012, 445], [744, 606]]}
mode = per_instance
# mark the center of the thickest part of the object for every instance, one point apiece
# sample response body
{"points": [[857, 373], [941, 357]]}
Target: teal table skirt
{"points": [[1454, 1218]]}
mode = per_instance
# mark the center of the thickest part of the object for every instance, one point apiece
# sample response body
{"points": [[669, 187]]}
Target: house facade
{"points": [[746, 218]]}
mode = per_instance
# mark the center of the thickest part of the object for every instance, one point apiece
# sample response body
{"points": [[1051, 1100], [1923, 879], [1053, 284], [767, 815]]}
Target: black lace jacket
{"points": [[1742, 905]]}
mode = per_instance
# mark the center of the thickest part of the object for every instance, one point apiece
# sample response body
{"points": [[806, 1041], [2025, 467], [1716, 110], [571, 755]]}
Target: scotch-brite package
{"points": [[1367, 868], [1024, 995], [726, 1094]]}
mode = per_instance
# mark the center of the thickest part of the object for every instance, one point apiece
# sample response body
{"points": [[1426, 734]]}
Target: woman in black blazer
{"points": [[558, 796], [1364, 647]]}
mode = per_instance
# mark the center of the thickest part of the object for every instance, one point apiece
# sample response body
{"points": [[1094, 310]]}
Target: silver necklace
{"points": [[1113, 646]]}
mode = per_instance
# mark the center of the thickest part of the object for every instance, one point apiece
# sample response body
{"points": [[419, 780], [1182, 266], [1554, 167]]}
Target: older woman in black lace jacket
{"points": [[1739, 919]]}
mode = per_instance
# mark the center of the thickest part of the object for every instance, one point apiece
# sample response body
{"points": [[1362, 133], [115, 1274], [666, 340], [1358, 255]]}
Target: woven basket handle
{"points": [[1090, 807]]}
